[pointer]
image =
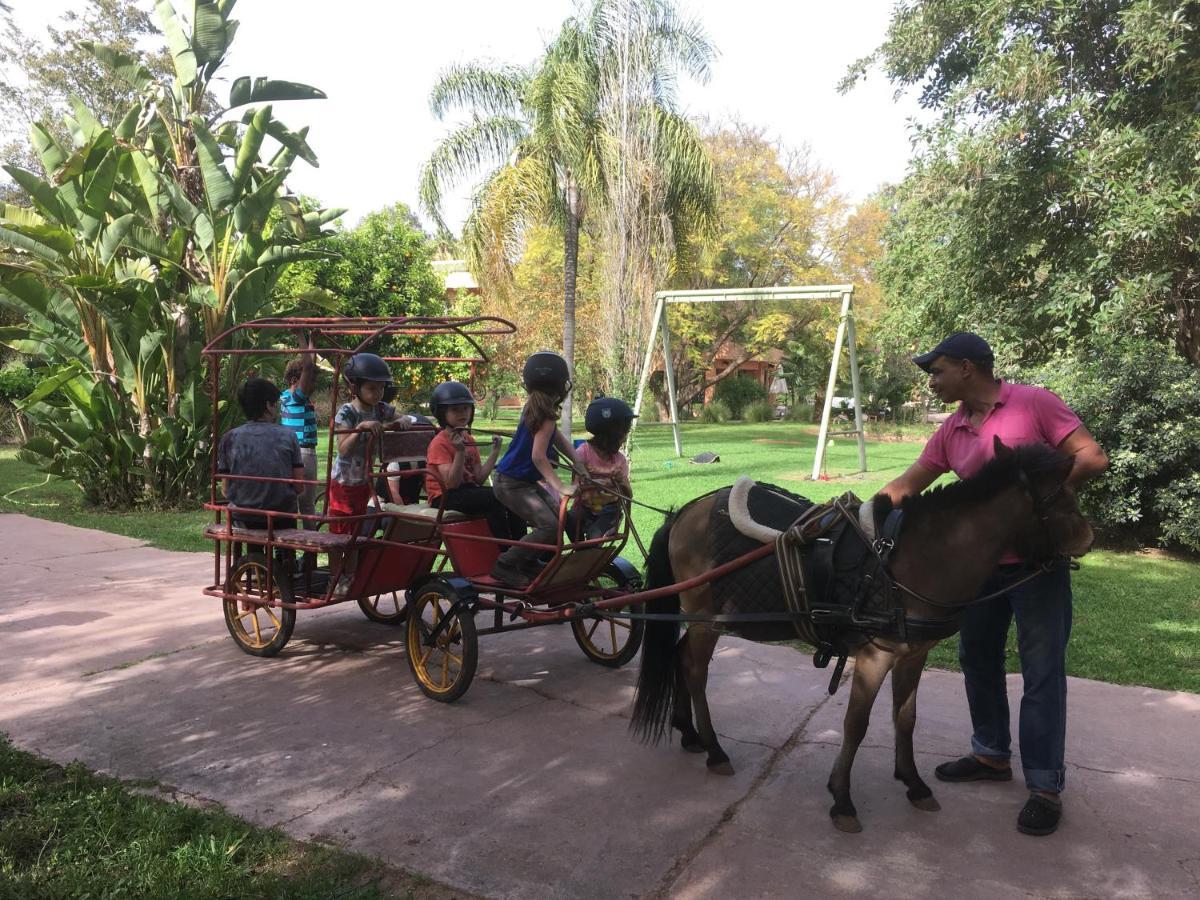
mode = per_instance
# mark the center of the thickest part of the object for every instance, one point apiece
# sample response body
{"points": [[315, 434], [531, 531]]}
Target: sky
{"points": [[778, 68]]}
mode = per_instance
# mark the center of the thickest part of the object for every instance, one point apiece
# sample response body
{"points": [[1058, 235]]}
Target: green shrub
{"points": [[799, 412], [713, 412], [17, 382], [738, 392], [760, 411], [1141, 402]]}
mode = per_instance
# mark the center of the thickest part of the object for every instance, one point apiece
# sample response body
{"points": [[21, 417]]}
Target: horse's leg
{"points": [[870, 668], [701, 642], [906, 676], [682, 719]]}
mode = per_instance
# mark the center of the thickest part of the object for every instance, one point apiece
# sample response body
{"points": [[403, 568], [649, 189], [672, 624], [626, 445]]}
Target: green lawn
{"points": [[66, 832], [1137, 616]]}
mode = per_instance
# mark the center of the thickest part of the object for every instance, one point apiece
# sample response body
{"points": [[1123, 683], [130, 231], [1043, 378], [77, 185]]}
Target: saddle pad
{"points": [[755, 588]]}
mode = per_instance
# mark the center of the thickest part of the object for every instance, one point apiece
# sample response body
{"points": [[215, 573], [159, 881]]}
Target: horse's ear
{"points": [[999, 449]]}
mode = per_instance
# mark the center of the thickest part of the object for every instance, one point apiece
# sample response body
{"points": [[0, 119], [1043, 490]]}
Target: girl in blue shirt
{"points": [[529, 462]]}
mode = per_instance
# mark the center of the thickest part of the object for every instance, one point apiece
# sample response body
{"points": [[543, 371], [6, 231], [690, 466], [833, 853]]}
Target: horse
{"points": [[951, 539]]}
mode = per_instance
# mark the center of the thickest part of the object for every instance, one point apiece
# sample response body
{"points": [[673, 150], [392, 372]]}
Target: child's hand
{"points": [[371, 425], [496, 443], [569, 489], [458, 439], [402, 423]]}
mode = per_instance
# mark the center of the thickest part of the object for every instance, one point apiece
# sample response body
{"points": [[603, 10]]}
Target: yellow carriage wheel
{"points": [[606, 640], [388, 608], [258, 628], [443, 649]]}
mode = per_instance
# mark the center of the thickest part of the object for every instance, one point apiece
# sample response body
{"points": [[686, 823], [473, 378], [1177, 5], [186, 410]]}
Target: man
{"points": [[298, 415], [960, 369]]}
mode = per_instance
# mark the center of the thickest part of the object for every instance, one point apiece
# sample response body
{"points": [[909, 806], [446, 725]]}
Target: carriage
{"points": [[418, 564]]}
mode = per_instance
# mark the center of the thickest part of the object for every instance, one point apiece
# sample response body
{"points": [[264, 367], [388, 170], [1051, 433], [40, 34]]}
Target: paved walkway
{"points": [[530, 786]]}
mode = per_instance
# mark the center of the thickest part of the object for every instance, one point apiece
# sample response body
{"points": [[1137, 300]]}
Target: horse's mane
{"points": [[996, 475]]}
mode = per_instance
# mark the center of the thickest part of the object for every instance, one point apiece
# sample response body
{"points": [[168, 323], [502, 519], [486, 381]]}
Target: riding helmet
{"points": [[547, 371], [606, 413], [368, 367], [449, 393]]}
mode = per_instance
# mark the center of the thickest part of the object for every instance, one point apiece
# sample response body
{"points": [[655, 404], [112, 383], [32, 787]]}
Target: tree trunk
{"points": [[570, 272], [1187, 336]]}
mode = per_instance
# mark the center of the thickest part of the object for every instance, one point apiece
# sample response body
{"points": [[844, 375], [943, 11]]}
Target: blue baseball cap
{"points": [[960, 345]]}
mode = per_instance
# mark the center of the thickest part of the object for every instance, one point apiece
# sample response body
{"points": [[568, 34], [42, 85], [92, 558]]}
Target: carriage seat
{"points": [[425, 511], [311, 541]]}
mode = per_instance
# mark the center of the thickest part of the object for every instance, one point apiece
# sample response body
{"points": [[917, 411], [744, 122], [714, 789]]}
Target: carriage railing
{"points": [[572, 565]]}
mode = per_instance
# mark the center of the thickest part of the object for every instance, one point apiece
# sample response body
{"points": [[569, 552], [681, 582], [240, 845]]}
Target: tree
{"points": [[1056, 193], [148, 236], [38, 78], [543, 129], [780, 219]]}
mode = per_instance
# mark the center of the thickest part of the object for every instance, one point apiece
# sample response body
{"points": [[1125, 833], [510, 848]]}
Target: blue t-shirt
{"points": [[296, 412], [517, 463]]}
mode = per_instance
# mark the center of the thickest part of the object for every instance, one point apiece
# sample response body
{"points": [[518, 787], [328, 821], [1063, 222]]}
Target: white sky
{"points": [[778, 69]]}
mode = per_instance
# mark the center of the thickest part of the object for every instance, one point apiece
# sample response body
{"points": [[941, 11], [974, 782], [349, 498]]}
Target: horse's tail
{"points": [[654, 703]]}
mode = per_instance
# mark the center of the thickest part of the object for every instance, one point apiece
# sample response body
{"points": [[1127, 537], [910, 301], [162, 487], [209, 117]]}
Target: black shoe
{"points": [[509, 575], [970, 769], [1040, 816]]}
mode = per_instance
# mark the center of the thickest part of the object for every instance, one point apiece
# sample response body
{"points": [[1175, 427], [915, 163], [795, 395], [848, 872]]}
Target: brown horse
{"points": [[951, 539]]}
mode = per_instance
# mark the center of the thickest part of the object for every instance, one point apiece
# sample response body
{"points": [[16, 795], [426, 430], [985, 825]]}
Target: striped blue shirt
{"points": [[297, 414]]}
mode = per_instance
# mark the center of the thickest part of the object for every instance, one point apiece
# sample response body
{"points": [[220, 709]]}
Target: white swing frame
{"points": [[820, 292]]}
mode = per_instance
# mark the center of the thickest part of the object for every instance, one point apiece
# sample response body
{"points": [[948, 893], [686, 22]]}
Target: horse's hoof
{"points": [[721, 768], [848, 824], [929, 804]]}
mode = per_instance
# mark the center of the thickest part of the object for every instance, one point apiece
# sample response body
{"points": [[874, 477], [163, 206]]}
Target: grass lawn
{"points": [[1137, 616], [67, 832]]}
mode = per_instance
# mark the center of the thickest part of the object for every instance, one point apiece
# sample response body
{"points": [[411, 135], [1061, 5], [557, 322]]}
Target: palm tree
{"points": [[546, 133]]}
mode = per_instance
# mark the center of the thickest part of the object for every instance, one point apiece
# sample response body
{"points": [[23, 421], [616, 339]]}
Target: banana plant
{"points": [[146, 238]]}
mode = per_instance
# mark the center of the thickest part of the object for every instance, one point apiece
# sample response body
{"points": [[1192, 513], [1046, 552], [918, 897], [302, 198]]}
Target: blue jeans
{"points": [[1043, 610]]}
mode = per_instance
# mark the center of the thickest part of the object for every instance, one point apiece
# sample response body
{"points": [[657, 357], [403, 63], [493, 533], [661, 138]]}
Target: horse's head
{"points": [[1051, 524]]}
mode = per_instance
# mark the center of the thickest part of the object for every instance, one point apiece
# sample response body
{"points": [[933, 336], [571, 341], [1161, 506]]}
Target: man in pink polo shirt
{"points": [[960, 369]]}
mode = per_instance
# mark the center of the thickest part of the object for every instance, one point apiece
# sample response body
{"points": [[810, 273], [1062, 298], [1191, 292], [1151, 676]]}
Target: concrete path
{"points": [[530, 786]]}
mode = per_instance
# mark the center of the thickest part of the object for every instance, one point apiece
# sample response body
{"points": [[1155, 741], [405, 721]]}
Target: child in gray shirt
{"points": [[261, 448]]}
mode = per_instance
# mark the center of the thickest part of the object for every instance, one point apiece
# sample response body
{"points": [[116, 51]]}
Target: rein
{"points": [[882, 548]]}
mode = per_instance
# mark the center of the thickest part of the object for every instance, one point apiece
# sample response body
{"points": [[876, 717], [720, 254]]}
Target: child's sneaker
{"points": [[509, 574], [341, 590]]}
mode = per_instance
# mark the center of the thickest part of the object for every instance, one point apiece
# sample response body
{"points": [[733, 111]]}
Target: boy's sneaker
{"points": [[341, 590], [509, 574]]}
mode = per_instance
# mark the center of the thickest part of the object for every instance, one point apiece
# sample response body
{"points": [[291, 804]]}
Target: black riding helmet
{"points": [[547, 371], [450, 393], [370, 367], [607, 414]]}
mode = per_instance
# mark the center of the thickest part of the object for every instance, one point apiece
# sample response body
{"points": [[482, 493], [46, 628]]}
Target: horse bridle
{"points": [[882, 548]]}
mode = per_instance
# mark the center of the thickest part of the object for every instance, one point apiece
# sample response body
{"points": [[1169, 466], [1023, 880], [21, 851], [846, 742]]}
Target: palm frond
{"points": [[510, 201], [464, 152], [479, 89]]}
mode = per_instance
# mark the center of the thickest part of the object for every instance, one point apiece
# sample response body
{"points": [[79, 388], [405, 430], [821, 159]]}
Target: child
{"points": [[265, 449], [596, 511], [300, 416], [454, 456], [530, 459], [350, 490]]}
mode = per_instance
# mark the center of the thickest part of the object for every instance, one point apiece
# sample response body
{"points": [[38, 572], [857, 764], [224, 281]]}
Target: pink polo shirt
{"points": [[1022, 415]]}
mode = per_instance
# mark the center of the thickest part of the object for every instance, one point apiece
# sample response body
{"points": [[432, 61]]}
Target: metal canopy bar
{"points": [[845, 335]]}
